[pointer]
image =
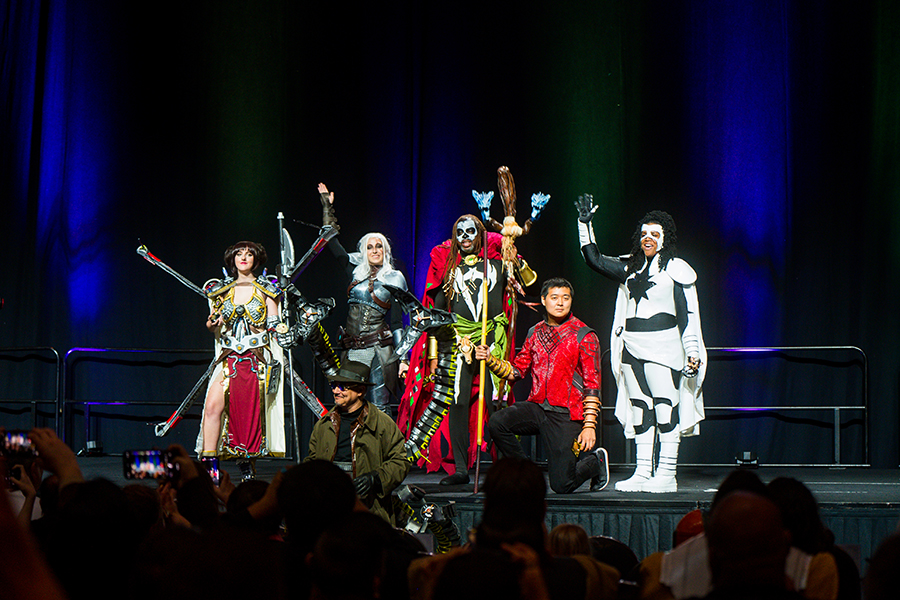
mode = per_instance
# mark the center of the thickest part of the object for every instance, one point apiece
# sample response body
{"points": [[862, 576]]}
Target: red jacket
{"points": [[563, 371]]}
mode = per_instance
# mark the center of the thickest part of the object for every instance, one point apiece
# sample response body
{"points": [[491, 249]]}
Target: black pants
{"points": [[458, 414], [560, 435]]}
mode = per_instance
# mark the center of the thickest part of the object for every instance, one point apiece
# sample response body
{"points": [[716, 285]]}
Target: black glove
{"points": [[367, 483], [586, 208]]}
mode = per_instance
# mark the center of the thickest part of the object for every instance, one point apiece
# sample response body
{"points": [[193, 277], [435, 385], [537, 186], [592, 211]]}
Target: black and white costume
{"points": [[656, 329], [466, 300]]}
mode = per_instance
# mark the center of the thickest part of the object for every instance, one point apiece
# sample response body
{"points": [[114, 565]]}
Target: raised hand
{"points": [[325, 196], [55, 456], [586, 208], [327, 200]]}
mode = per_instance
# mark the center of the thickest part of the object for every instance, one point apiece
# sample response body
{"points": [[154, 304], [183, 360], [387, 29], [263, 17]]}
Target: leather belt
{"points": [[382, 337]]}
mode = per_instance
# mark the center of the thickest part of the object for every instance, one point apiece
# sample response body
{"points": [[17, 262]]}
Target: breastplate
{"points": [[379, 299], [253, 311]]}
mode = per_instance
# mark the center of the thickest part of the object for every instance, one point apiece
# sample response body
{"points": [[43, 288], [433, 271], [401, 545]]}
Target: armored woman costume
{"points": [[656, 348], [374, 324], [249, 369]]}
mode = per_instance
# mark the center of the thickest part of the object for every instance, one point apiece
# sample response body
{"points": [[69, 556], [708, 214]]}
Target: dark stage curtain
{"points": [[767, 129]]}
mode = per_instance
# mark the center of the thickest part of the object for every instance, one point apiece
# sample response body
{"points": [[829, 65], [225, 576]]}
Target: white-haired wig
{"points": [[360, 258]]}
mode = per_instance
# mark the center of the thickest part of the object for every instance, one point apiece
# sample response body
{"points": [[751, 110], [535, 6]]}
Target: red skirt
{"points": [[244, 433]]}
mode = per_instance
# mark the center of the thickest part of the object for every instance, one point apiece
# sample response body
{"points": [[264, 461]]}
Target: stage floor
{"points": [[860, 505], [874, 488]]}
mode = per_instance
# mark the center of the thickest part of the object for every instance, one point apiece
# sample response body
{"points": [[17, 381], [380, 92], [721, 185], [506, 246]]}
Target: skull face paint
{"points": [[466, 235], [651, 239]]}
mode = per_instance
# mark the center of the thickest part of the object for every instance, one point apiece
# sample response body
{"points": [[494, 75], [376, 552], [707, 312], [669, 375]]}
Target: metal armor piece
{"points": [[309, 314], [370, 300], [308, 398], [421, 319], [273, 377], [441, 398], [242, 319], [242, 343], [322, 351], [422, 516]]}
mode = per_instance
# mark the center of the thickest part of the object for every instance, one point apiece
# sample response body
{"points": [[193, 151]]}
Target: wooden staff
{"points": [[482, 368]]}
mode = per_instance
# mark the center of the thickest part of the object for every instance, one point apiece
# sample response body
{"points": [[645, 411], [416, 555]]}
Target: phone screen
{"points": [[147, 464], [17, 443], [212, 467]]}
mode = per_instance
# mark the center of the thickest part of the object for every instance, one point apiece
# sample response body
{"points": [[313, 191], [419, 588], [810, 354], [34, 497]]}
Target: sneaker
{"points": [[600, 481]]}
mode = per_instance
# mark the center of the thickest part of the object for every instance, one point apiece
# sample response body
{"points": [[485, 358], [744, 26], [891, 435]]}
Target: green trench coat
{"points": [[377, 446]]}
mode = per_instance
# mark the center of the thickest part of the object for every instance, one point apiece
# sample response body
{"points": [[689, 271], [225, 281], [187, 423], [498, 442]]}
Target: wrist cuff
{"points": [[501, 368], [591, 409], [586, 233]]}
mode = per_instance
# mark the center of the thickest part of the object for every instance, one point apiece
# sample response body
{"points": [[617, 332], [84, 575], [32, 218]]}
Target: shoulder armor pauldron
{"points": [[267, 286], [216, 287], [681, 272], [396, 279]]}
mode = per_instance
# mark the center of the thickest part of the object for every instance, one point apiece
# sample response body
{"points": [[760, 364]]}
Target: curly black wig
{"points": [[670, 238]]}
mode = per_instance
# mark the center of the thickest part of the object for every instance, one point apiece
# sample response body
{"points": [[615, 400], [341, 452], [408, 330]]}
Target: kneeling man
{"points": [[362, 440], [562, 355]]}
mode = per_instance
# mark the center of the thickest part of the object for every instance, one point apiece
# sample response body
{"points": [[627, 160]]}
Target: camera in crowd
{"points": [[19, 453]]}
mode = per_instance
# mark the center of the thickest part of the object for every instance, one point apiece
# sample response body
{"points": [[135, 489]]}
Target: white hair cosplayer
{"points": [[360, 258]]}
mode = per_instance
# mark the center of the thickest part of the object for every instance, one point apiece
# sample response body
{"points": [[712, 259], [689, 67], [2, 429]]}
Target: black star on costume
{"points": [[639, 285]]}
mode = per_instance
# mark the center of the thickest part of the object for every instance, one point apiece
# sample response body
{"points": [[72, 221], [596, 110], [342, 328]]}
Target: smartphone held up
{"points": [[148, 464]]}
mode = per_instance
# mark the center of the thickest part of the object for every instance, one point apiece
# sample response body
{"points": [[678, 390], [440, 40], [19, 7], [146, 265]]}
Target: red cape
{"points": [[417, 396]]}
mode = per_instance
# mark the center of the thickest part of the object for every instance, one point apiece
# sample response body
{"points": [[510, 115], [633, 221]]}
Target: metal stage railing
{"points": [[40, 354], [65, 374], [837, 410], [67, 397]]}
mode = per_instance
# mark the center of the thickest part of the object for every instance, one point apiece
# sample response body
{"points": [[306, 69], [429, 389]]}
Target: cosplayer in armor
{"points": [[374, 323], [243, 416], [562, 355], [656, 349], [454, 284]]}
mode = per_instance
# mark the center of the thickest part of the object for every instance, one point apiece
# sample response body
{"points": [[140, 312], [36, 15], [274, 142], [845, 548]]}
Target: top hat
{"points": [[352, 372]]}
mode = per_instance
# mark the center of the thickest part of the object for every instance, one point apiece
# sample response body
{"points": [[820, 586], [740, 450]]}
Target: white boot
{"points": [[664, 479], [644, 451]]}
